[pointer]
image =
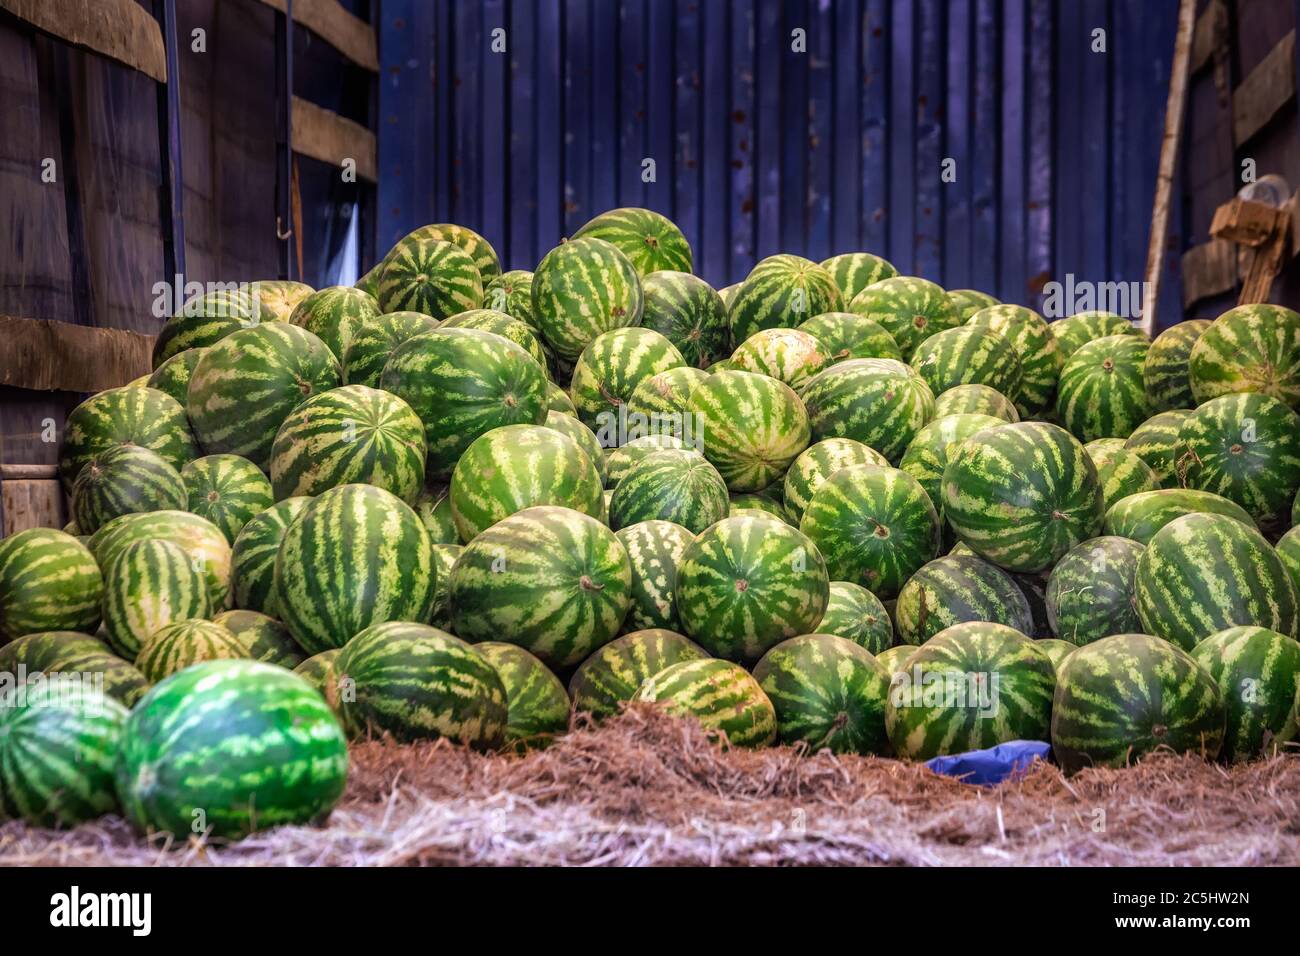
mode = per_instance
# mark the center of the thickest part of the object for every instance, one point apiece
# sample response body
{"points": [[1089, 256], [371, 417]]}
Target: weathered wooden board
{"points": [[1209, 269], [27, 503], [58, 356], [1265, 90], [121, 30], [1211, 30], [328, 19], [325, 135]]}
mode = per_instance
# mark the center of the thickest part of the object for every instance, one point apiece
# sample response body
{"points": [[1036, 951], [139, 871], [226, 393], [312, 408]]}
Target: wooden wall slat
{"points": [[338, 27], [121, 30], [1265, 91], [324, 135], [45, 355]]}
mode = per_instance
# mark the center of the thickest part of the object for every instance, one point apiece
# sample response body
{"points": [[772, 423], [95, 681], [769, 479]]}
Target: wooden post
{"points": [[1169, 146]]}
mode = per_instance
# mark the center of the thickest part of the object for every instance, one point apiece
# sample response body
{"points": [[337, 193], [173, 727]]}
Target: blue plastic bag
{"points": [[989, 767]]}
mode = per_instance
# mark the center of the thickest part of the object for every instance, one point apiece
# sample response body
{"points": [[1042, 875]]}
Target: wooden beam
{"points": [[59, 356], [347, 33], [121, 30], [1211, 30], [1209, 269], [31, 504], [1265, 91], [27, 472], [323, 134]]}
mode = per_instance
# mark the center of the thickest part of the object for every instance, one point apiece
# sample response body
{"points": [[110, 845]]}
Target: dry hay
{"points": [[650, 789]]}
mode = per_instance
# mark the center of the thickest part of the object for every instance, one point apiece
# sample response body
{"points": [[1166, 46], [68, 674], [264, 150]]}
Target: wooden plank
{"points": [[1211, 30], [324, 135], [58, 356], [14, 472], [121, 30], [334, 24], [1265, 91], [32, 504], [1208, 269]]}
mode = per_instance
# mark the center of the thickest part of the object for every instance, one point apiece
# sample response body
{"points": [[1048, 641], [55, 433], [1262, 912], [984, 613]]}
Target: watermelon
{"points": [[760, 502], [479, 250], [845, 335], [854, 271], [557, 400], [955, 589], [350, 434], [267, 639], [969, 301], [1057, 650], [728, 702], [686, 310], [787, 355], [654, 548], [86, 658], [1288, 549], [463, 383], [125, 479], [252, 559], [1090, 591], [198, 537], [125, 416], [1202, 573], [49, 581], [1156, 442], [775, 427], [894, 659], [662, 398], [227, 490], [1125, 695], [967, 355], [1245, 447], [512, 293], [375, 341], [181, 644], [584, 437], [828, 693], [321, 672], [552, 580], [612, 366], [908, 308], [818, 462], [490, 320], [537, 703], [874, 526], [1166, 374], [444, 558], [927, 455], [248, 383], [147, 585], [727, 293], [58, 748], [516, 467], [581, 289], [1100, 394], [356, 556], [206, 319], [748, 583], [619, 461], [369, 283], [173, 376], [1078, 330], [229, 747], [1120, 471], [1022, 495], [430, 276], [1258, 671], [650, 241], [614, 673], [1040, 356], [972, 686], [880, 402], [855, 613], [975, 399], [781, 291], [1252, 348], [336, 314], [671, 485], [280, 296]]}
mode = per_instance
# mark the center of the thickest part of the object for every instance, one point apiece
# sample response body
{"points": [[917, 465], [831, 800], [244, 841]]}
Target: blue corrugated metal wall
{"points": [[761, 148]]}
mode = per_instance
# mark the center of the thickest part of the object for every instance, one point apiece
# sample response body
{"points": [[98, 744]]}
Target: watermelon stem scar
{"points": [[589, 585]]}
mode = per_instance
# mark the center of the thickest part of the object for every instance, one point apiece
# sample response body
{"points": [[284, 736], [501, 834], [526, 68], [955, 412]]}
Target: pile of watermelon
{"points": [[829, 506]]}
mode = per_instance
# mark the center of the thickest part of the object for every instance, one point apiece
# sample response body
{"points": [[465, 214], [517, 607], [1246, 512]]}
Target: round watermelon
{"points": [[653, 549], [280, 296], [908, 308], [181, 644], [975, 399], [955, 589], [687, 311], [781, 291], [206, 319], [787, 355], [49, 581], [584, 437], [650, 241], [335, 315], [855, 613], [611, 367], [320, 671], [1075, 331], [267, 639], [969, 301], [1252, 348], [581, 289], [198, 537], [227, 490], [927, 455], [1155, 441], [537, 704], [1040, 356], [479, 250], [775, 427], [430, 276], [512, 293], [1167, 372], [854, 271], [147, 585], [879, 402], [1057, 650], [614, 673], [1258, 671], [68, 652], [968, 355], [818, 462], [490, 320], [125, 479], [761, 502], [1101, 392], [671, 485], [1090, 591], [144, 417], [662, 398], [173, 376], [619, 461], [444, 559], [726, 700], [1120, 471], [252, 558], [846, 335], [374, 343]]}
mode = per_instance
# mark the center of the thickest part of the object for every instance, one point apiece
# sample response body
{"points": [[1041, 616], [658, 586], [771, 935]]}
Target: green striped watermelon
{"points": [[208, 318], [252, 558], [584, 437], [969, 301], [1258, 671], [1252, 348], [1090, 591], [181, 644], [1078, 330], [1022, 495], [781, 291], [775, 427], [336, 314], [173, 376], [874, 526], [955, 589], [49, 581], [70, 653], [727, 293], [927, 455], [1156, 442], [375, 341], [687, 311], [512, 293], [280, 296], [1125, 695], [880, 402], [846, 335], [430, 276], [854, 271], [59, 743], [125, 416], [267, 639], [1288, 549], [227, 490], [971, 686], [619, 461], [761, 502], [1202, 573], [444, 558], [1057, 650], [125, 479], [908, 308], [663, 397], [150, 584], [1246, 448], [558, 400], [490, 320], [894, 659], [650, 241], [654, 548], [1166, 374], [855, 613], [975, 399], [581, 289], [672, 485], [612, 366], [552, 580], [198, 537], [248, 383], [614, 673], [787, 355], [470, 242], [369, 283], [350, 434], [321, 672], [463, 383], [1040, 356], [728, 702], [1101, 394], [537, 703], [229, 747], [1121, 471], [968, 355], [749, 582], [828, 693], [818, 462]]}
